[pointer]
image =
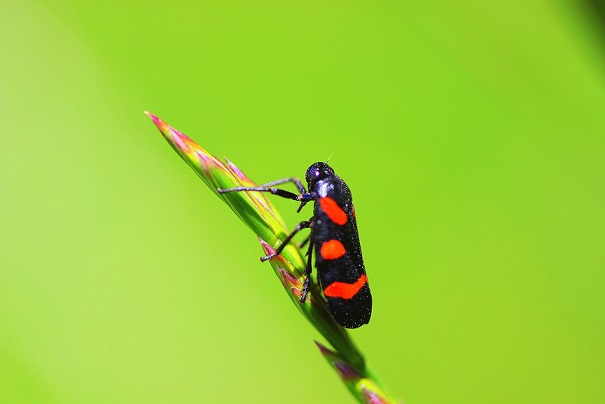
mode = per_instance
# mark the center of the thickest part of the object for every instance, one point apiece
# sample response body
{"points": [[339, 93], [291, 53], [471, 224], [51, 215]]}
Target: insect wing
{"points": [[339, 261]]}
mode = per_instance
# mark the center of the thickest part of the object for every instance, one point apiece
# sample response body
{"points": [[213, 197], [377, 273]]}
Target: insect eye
{"points": [[317, 173]]}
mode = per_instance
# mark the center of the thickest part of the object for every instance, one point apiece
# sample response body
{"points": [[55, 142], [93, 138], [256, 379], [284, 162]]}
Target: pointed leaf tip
{"points": [[161, 125], [289, 280], [324, 351], [239, 173], [266, 247], [346, 372], [155, 119], [372, 397]]}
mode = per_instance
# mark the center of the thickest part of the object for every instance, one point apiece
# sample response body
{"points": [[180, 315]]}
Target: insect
{"points": [[334, 237]]}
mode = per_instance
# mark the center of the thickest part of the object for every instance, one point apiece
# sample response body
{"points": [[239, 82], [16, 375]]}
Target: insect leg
{"points": [[302, 225], [274, 191], [308, 269], [296, 181], [304, 243]]}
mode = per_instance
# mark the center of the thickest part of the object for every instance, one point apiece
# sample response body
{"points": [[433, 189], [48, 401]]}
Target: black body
{"points": [[356, 311], [340, 267]]}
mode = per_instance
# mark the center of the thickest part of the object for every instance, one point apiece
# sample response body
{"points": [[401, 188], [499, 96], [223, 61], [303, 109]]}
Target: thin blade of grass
{"points": [[258, 213]]}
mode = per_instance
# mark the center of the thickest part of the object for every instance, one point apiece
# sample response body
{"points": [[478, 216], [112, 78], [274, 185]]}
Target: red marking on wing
{"points": [[332, 249], [334, 212], [345, 290]]}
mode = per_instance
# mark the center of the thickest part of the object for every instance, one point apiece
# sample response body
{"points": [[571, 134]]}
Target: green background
{"points": [[471, 134]]}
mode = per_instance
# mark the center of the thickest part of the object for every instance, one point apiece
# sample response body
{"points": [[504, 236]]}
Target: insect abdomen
{"points": [[339, 262]]}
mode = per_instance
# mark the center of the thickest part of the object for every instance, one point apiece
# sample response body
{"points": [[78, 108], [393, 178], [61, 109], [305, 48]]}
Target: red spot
{"points": [[345, 290], [332, 249], [334, 212]]}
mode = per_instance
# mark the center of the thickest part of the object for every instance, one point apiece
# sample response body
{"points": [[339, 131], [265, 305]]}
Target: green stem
{"points": [[257, 212]]}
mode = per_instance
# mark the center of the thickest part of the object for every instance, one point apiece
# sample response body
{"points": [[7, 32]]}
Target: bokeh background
{"points": [[471, 134]]}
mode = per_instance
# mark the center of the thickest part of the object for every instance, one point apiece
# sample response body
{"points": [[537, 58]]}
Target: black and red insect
{"points": [[334, 237]]}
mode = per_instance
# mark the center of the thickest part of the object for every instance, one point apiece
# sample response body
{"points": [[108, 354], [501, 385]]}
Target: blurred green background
{"points": [[471, 134]]}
